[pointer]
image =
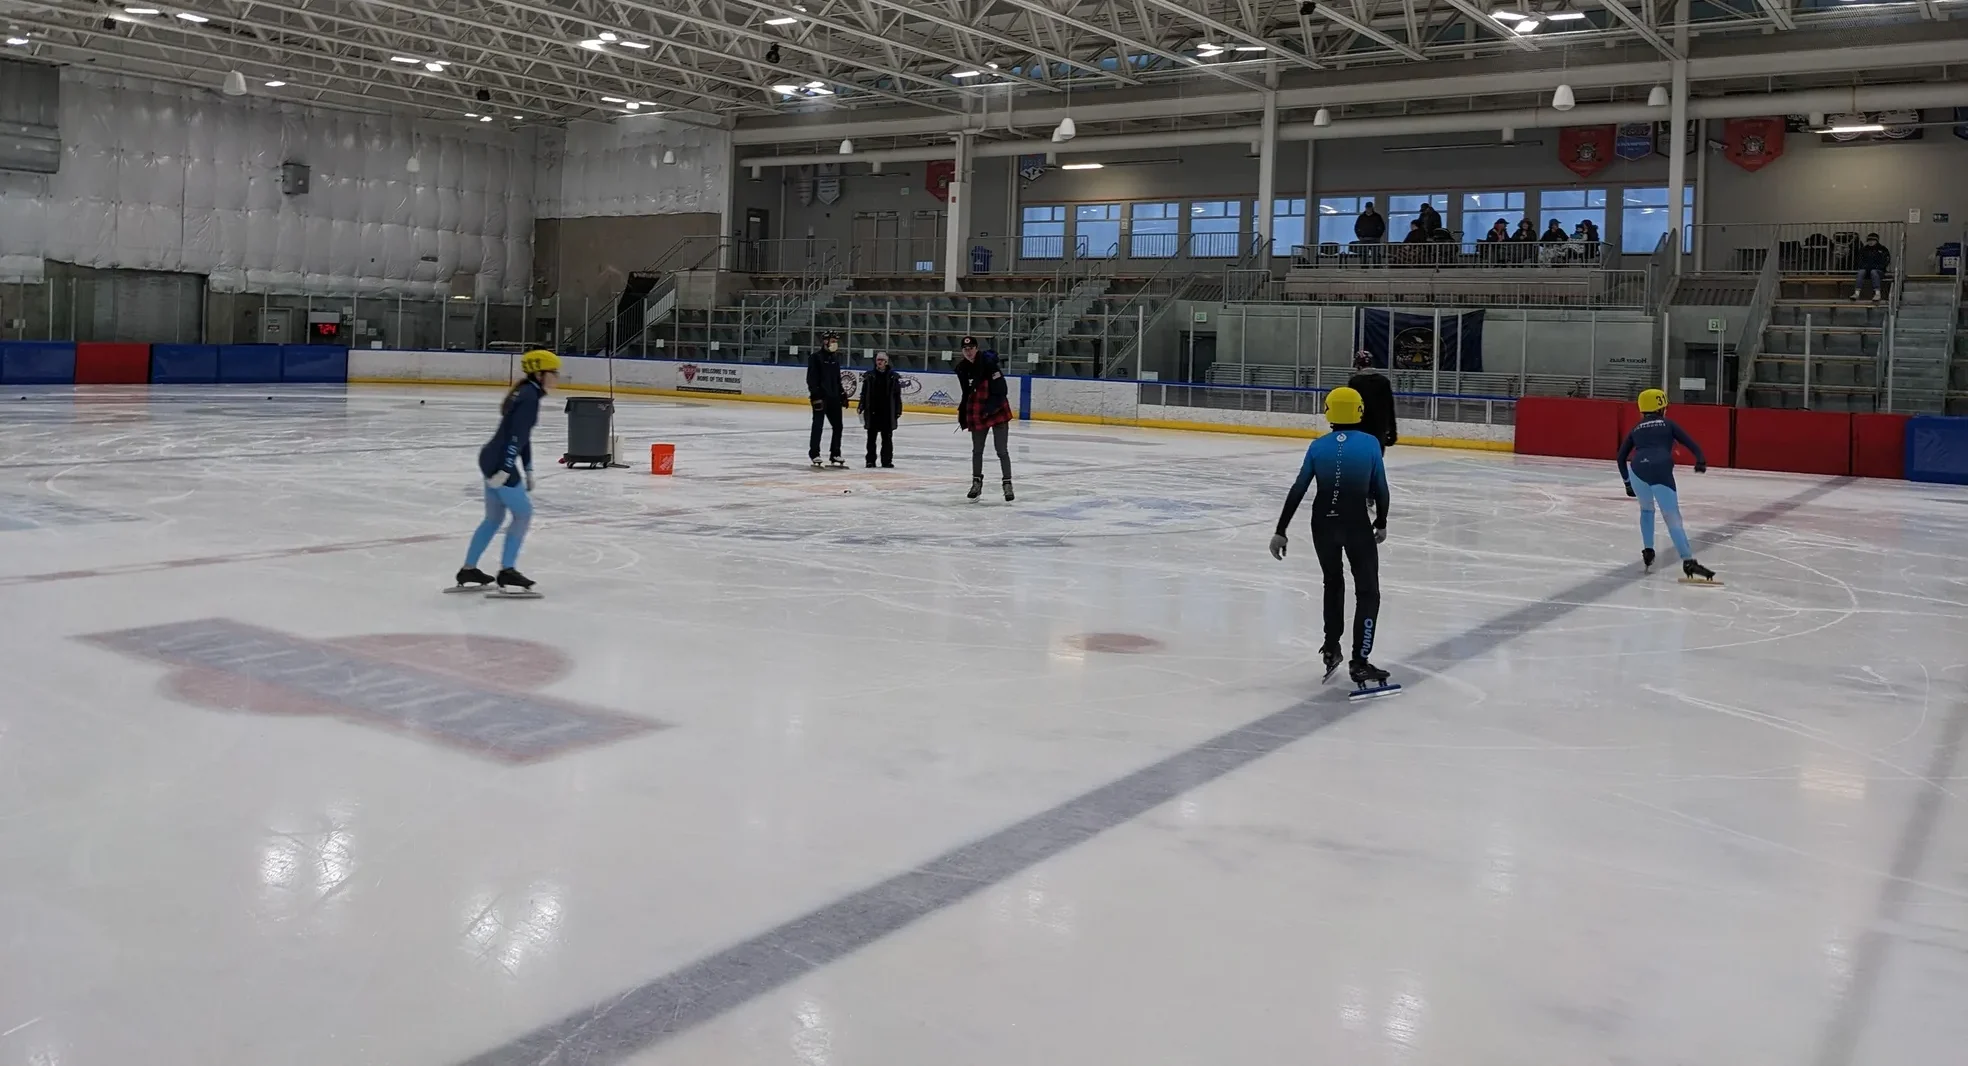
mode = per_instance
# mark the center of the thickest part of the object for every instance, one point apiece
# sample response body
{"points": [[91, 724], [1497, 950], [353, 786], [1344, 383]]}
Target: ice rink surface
{"points": [[838, 768]]}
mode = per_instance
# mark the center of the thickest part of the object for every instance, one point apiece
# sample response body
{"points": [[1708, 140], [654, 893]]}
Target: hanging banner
{"points": [[1585, 150], [1031, 167], [803, 184], [1400, 341], [1753, 143], [1664, 138], [937, 177], [1901, 125], [828, 188], [1634, 140]]}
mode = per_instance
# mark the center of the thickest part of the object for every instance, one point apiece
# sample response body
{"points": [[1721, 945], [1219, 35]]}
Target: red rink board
{"points": [[1579, 429], [112, 364], [1712, 427], [1879, 445], [1797, 442]]}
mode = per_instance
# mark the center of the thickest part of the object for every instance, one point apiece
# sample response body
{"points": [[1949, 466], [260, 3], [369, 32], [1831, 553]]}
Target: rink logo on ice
{"points": [[31, 512], [466, 693], [694, 378]]}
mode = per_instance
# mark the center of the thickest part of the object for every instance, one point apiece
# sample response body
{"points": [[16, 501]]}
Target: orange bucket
{"points": [[662, 458]]}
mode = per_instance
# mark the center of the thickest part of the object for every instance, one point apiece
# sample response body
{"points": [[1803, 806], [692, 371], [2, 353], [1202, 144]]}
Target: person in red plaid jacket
{"points": [[984, 410]]}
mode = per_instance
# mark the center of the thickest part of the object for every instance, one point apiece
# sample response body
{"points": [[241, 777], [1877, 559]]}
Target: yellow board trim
{"points": [[1087, 420]]}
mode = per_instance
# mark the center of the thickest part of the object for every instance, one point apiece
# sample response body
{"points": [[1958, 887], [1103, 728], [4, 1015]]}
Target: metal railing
{"points": [[1810, 248], [785, 255], [1453, 255], [898, 256], [1663, 270], [1749, 343], [628, 318]]}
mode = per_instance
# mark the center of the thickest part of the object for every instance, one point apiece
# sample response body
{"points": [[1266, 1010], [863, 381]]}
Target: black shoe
{"points": [[976, 488], [1695, 571], [1647, 559], [1366, 674], [888, 466], [472, 575], [1332, 658], [871, 464], [513, 579], [1009, 496]]}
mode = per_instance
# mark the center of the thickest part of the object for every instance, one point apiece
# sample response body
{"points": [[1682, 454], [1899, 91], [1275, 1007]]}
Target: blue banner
{"points": [[1400, 340]]}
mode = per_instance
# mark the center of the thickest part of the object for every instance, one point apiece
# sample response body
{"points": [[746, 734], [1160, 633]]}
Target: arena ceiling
{"points": [[746, 61]]}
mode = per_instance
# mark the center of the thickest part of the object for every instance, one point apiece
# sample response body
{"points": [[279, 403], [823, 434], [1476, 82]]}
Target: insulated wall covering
{"points": [[165, 177], [617, 168]]}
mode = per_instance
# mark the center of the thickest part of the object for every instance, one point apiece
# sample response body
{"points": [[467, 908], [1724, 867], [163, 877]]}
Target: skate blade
{"points": [[504, 595], [1329, 675], [467, 588], [1703, 581], [1374, 693]]}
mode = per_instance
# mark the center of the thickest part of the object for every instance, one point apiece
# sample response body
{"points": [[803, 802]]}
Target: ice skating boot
{"points": [[471, 579], [871, 464], [976, 488], [816, 462], [1331, 656], [1369, 681], [837, 463], [1647, 559], [515, 585], [1694, 573], [1009, 495]]}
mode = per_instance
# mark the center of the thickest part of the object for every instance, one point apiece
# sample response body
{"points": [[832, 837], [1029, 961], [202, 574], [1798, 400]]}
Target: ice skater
{"points": [[881, 409], [823, 387], [1646, 464], [984, 410], [1346, 465], [506, 463], [1378, 394]]}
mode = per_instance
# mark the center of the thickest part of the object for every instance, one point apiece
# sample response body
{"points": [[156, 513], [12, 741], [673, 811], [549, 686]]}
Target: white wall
{"points": [[616, 168], [167, 177]]}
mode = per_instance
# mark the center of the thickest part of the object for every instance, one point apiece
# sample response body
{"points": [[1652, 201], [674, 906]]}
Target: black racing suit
{"points": [[1346, 466]]}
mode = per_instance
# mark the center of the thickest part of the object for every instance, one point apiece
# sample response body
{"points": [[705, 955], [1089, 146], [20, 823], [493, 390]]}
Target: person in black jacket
{"points": [[1370, 231], [1378, 395], [1873, 261], [984, 410], [881, 408], [823, 388]]}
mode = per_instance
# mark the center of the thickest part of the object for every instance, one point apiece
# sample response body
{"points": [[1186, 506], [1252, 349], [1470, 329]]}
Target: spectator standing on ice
{"points": [[823, 388], [1377, 394], [881, 408], [985, 410]]}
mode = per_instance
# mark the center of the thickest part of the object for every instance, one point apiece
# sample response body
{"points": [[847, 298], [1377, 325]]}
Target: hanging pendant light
{"points": [[1563, 100], [235, 84], [1065, 131], [1322, 117], [847, 147], [669, 157], [1657, 97]]}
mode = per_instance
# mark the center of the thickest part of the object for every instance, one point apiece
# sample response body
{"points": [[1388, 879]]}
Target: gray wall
{"points": [[588, 259]]}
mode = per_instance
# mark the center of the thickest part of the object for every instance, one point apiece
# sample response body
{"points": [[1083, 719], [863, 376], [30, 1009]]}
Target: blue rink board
{"points": [[1937, 449]]}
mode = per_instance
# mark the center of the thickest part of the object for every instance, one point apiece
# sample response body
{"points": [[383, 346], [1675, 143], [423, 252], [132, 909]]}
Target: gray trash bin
{"points": [[590, 430]]}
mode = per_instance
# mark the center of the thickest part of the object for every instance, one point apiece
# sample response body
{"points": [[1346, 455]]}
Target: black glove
{"points": [[819, 405], [1278, 543], [1380, 533], [1629, 490], [1701, 466]]}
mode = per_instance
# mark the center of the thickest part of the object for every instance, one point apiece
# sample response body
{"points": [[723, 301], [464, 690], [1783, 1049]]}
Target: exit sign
{"points": [[1717, 325]]}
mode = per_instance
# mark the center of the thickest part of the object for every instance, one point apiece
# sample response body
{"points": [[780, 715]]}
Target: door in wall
{"points": [[926, 234], [877, 243], [1198, 351], [758, 232], [1700, 362]]}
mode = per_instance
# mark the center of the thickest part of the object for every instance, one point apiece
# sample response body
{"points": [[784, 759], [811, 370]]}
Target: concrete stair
{"points": [[1923, 336]]}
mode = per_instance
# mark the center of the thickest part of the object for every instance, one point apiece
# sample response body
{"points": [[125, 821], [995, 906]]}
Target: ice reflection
{"points": [[509, 932], [812, 1040]]}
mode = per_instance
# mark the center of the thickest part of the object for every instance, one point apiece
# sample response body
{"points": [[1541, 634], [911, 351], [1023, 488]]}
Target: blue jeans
{"points": [[1670, 507], [497, 503], [1878, 281]]}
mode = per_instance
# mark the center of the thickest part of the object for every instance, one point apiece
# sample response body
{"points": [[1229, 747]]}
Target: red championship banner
{"points": [[1585, 150], [938, 176], [1753, 143]]}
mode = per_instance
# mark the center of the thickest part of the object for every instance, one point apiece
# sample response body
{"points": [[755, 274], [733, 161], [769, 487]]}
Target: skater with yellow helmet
{"points": [[1346, 465], [1646, 464], [506, 464]]}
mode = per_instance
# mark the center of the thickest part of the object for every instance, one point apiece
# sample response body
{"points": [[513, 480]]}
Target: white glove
{"points": [[1278, 545]]}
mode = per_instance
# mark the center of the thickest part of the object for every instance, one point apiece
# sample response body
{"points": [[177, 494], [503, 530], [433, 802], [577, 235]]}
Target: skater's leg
{"points": [[1645, 494], [888, 447], [813, 443], [1325, 542], [495, 516], [521, 506], [834, 420], [1670, 506], [1001, 436], [977, 453], [1363, 557]]}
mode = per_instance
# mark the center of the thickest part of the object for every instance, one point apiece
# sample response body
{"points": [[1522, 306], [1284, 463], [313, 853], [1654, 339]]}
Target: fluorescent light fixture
{"points": [[434, 68], [120, 17], [965, 73], [789, 90], [1525, 26], [1251, 48], [649, 103], [1870, 127], [142, 11], [1506, 16], [637, 45], [485, 118], [16, 41], [393, 59], [189, 17], [821, 92], [613, 100], [594, 46], [632, 105], [1565, 16], [519, 118], [816, 85], [471, 114], [275, 84], [1083, 166], [993, 66], [609, 37], [783, 20]]}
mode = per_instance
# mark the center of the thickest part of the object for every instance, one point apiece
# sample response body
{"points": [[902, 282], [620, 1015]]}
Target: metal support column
{"points": [[956, 237]]}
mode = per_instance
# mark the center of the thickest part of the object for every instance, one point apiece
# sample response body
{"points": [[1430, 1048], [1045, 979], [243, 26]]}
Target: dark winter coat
{"points": [[1430, 219], [881, 399], [1377, 396], [1874, 257], [1370, 228], [986, 398], [823, 378]]}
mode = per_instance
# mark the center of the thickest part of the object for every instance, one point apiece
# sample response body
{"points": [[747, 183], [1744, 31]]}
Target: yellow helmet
{"points": [[1652, 400], [537, 360], [1344, 407]]}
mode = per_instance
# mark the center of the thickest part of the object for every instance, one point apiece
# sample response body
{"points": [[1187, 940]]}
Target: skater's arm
{"points": [[519, 445], [1625, 453], [813, 378], [1297, 494], [1380, 495], [1681, 435]]}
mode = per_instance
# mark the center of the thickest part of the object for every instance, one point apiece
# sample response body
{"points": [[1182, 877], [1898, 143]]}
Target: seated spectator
{"points": [[1591, 230], [1526, 232], [1416, 233], [1498, 233], [1554, 233]]}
